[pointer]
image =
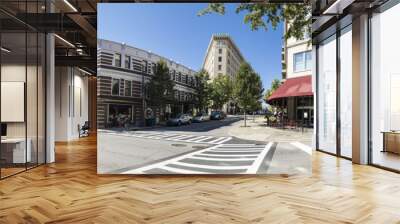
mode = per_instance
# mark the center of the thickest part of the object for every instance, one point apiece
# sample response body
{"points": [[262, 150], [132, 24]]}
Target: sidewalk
{"points": [[257, 130]]}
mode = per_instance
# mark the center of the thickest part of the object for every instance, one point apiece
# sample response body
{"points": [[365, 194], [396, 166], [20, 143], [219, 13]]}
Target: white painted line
{"points": [[179, 137], [253, 169], [181, 171], [223, 140], [210, 167], [195, 139], [203, 139], [220, 159], [238, 145], [165, 162], [238, 149], [233, 151], [303, 147], [228, 155], [223, 145], [216, 140]]}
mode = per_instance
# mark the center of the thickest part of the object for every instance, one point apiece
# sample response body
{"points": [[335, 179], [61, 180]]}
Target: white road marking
{"points": [[216, 140], [223, 140], [210, 167], [163, 163], [203, 139], [182, 171], [253, 169], [204, 155], [220, 159]]}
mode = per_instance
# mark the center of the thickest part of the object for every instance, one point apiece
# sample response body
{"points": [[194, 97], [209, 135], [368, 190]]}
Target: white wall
{"points": [[292, 49], [71, 87]]}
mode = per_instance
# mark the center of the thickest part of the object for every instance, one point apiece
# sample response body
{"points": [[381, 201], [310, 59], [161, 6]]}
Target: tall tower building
{"points": [[222, 56]]}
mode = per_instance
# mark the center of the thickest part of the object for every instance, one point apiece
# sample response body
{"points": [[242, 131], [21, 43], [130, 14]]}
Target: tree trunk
{"points": [[245, 118]]}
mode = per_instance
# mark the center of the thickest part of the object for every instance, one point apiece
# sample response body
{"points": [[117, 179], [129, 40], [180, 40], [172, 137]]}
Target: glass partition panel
{"points": [[327, 97], [14, 153], [41, 98], [31, 98], [346, 92]]}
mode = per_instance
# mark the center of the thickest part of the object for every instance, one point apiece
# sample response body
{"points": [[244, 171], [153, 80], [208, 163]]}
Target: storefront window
{"points": [[385, 89], [327, 95], [119, 115]]}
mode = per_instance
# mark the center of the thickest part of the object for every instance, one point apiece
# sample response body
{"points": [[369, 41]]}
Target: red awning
{"points": [[300, 86]]}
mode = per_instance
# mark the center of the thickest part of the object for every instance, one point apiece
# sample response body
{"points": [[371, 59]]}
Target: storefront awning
{"points": [[293, 87]]}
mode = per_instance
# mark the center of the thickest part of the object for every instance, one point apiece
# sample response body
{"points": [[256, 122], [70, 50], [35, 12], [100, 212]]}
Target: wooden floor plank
{"points": [[70, 191]]}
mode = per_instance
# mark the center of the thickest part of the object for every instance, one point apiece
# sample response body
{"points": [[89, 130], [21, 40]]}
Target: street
{"points": [[199, 148]]}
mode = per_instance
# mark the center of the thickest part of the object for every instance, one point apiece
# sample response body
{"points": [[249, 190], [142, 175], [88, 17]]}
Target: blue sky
{"points": [[176, 32]]}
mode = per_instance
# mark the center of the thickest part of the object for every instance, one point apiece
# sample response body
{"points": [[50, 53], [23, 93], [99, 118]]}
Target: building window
{"points": [[127, 62], [115, 87], [128, 88], [219, 59], [302, 61], [219, 67], [220, 51], [117, 60]]}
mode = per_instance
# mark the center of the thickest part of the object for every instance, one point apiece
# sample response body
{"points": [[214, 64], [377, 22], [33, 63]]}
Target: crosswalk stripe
{"points": [[196, 138], [237, 151], [216, 140], [210, 167], [227, 155], [182, 171], [220, 159], [253, 169], [165, 162], [203, 139], [179, 137], [223, 140]]}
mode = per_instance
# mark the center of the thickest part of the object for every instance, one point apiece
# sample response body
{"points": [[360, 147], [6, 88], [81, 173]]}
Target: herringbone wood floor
{"points": [[70, 191]]}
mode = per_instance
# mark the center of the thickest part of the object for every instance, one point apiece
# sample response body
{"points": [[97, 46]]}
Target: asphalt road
{"points": [[198, 148]]}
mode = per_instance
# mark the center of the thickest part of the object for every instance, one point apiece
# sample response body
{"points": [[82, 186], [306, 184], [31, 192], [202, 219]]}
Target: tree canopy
{"points": [[248, 88], [202, 89], [259, 15], [274, 86], [221, 90], [160, 89]]}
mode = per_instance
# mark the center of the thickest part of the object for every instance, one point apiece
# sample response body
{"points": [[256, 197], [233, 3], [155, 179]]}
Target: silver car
{"points": [[201, 117], [180, 119]]}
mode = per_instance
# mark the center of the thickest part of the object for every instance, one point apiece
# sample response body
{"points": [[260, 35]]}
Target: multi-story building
{"points": [[295, 94], [122, 73], [222, 56]]}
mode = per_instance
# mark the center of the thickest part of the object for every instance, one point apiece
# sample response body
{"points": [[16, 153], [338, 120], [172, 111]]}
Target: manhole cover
{"points": [[199, 147], [178, 145]]}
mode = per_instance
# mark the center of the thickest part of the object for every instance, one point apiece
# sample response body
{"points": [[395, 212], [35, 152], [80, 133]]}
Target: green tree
{"points": [[248, 89], [202, 89], [274, 86], [259, 15], [221, 90], [160, 89]]}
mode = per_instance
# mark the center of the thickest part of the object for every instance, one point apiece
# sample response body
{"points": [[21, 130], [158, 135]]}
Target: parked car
{"points": [[179, 120], [217, 115], [200, 117]]}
